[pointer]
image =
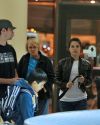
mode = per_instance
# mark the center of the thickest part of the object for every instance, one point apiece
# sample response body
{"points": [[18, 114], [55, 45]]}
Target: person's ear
{"points": [[3, 30]]}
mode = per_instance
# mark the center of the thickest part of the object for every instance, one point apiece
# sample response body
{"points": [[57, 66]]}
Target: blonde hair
{"points": [[32, 39]]}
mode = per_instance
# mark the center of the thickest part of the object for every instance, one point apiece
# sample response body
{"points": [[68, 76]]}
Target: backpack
{"points": [[8, 103]]}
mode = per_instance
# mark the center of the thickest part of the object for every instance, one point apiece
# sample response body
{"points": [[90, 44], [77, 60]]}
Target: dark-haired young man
{"points": [[8, 60]]}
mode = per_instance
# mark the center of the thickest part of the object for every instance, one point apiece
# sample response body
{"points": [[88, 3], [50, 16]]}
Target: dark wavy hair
{"points": [[76, 40]]}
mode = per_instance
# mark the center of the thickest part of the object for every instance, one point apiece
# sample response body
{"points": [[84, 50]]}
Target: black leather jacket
{"points": [[45, 64], [63, 71]]}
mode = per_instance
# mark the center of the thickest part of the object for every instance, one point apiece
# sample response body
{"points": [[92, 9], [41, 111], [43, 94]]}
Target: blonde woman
{"points": [[32, 60]]}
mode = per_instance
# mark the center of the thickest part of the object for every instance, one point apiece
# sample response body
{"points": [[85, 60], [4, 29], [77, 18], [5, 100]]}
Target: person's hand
{"points": [[69, 84], [38, 86], [13, 80], [81, 79], [41, 84]]}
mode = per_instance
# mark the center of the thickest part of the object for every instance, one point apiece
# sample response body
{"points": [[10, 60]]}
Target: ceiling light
{"points": [[92, 1]]}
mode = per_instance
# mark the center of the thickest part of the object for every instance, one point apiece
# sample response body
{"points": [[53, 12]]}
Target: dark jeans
{"points": [[97, 80], [0, 106], [73, 106], [43, 107]]}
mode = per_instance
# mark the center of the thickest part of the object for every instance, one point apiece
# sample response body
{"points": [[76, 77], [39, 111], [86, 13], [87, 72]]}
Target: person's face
{"points": [[33, 47], [75, 49], [7, 33]]}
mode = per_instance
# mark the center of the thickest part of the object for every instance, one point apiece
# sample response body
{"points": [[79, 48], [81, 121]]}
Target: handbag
{"points": [[59, 97]]}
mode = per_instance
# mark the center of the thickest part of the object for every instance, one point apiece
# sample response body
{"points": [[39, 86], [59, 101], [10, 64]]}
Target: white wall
{"points": [[16, 11]]}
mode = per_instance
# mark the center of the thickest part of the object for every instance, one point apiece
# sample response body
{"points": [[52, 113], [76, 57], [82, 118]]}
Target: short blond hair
{"points": [[32, 39]]}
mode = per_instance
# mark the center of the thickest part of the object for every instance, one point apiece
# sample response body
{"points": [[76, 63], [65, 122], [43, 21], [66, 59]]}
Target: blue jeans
{"points": [[73, 106], [43, 107]]}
